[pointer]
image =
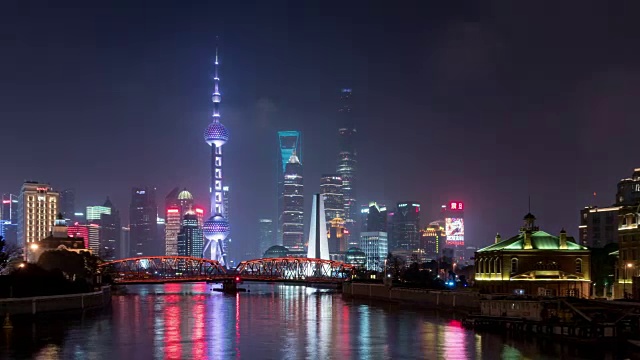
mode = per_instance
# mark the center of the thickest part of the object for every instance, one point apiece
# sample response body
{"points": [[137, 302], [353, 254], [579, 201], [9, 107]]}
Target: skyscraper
{"points": [[68, 203], [110, 239], [216, 229], [37, 211], [347, 162], [293, 211], [288, 143], [265, 237], [9, 219], [143, 218], [190, 238], [331, 190], [177, 203], [406, 226]]}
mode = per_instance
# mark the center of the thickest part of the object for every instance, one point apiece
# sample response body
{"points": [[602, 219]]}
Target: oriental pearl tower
{"points": [[216, 229]]}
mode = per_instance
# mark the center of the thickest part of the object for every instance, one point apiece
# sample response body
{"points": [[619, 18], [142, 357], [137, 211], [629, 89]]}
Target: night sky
{"points": [[488, 104]]}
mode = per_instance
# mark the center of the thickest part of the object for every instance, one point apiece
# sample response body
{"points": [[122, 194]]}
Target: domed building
{"points": [[276, 251], [534, 262], [355, 256], [177, 204]]}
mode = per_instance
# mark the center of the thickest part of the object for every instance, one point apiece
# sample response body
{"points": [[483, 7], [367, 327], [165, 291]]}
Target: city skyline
{"points": [[456, 141]]}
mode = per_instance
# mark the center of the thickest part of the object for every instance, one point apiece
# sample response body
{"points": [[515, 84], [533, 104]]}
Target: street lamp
{"points": [[629, 266], [33, 247]]}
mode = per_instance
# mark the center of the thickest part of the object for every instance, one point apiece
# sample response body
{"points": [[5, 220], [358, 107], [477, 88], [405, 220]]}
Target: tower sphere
{"points": [[216, 228], [216, 134]]}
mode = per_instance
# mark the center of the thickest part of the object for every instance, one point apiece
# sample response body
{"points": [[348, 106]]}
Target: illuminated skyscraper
{"points": [[110, 240], [331, 190], [37, 211], [288, 143], [68, 204], [347, 162], [216, 229], [293, 212], [143, 222], [177, 203], [190, 237]]}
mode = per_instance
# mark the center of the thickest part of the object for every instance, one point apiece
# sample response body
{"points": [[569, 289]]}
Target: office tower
{"points": [[331, 190], [432, 239], [110, 239], [289, 142], [339, 240], [95, 212], [177, 203], [265, 237], [79, 231], [374, 217], [293, 211], [143, 222], [374, 245], [190, 237], [318, 243], [9, 219], [347, 161], [216, 229], [37, 211], [406, 223], [94, 237], [68, 204], [125, 237]]}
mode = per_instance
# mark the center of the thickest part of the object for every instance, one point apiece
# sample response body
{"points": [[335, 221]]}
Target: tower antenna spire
{"points": [[216, 97]]}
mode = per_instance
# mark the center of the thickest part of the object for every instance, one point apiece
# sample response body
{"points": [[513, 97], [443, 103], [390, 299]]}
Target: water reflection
{"points": [[188, 321]]}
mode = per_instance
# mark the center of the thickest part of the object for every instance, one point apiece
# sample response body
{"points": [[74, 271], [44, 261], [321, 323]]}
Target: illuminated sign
{"points": [[173, 211], [41, 189], [456, 205], [140, 192], [454, 230], [199, 211], [6, 201]]}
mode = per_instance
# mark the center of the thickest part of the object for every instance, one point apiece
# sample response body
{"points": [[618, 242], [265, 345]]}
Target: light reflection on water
{"points": [[188, 321]]}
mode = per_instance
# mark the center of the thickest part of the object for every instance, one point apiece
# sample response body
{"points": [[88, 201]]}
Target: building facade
{"points": [[177, 203], [143, 223], [374, 245], [347, 167], [406, 226], [190, 237], [331, 190], [534, 263], [37, 211], [266, 238], [432, 239], [598, 226], [110, 240], [289, 142], [293, 211]]}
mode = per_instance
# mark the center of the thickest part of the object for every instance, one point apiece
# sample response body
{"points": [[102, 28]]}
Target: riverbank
{"points": [[466, 301], [45, 304]]}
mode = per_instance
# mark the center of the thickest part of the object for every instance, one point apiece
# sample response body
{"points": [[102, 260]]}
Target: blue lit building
{"points": [[9, 219], [216, 229], [289, 142]]}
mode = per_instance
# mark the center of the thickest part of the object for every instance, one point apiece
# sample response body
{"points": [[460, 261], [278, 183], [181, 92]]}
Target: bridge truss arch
{"points": [[160, 269], [295, 269]]}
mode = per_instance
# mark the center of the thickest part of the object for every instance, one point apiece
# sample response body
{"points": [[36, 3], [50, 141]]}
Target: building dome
{"points": [[216, 228], [216, 134], [276, 251], [185, 195], [355, 256]]}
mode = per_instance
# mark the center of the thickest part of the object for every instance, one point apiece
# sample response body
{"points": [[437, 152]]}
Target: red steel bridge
{"points": [[166, 269]]}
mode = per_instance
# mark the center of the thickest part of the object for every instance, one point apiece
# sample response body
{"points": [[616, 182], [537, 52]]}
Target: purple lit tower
{"points": [[216, 229]]}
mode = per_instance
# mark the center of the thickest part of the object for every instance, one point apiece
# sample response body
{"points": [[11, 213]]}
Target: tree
{"points": [[10, 257], [395, 264]]}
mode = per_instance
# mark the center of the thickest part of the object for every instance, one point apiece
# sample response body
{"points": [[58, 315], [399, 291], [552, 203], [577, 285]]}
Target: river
{"points": [[271, 321]]}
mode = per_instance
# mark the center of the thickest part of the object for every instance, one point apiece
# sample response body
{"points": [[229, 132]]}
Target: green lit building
{"points": [[534, 262]]}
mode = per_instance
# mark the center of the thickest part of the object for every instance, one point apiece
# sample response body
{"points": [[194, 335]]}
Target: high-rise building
{"points": [[432, 239], [79, 231], [95, 212], [68, 204], [406, 226], [347, 161], [374, 245], [293, 212], [190, 237], [216, 229], [94, 237], [110, 239], [454, 228], [289, 142], [331, 190], [143, 222], [374, 218], [37, 211], [9, 219], [598, 226], [177, 203], [125, 238], [265, 235]]}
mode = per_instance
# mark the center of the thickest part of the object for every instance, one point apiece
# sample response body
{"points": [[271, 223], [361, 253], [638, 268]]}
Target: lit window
{"points": [[514, 265], [579, 266]]}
